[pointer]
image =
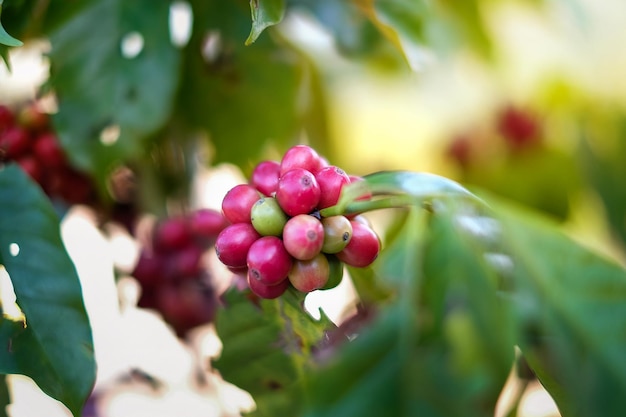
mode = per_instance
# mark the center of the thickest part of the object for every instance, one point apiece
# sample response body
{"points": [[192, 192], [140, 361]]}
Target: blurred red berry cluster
{"points": [[28, 139], [172, 273]]}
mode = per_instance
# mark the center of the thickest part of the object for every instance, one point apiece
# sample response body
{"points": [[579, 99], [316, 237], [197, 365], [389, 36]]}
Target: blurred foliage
{"points": [[457, 286]]}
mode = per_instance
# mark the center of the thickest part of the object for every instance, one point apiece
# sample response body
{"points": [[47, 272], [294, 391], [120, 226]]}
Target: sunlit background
{"points": [[552, 66]]}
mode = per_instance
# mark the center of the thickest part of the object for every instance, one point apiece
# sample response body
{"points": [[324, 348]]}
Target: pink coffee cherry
{"points": [[238, 202], [363, 248], [265, 177], [298, 192], [331, 180], [267, 291], [307, 276], [268, 261], [233, 243], [303, 236], [301, 156]]}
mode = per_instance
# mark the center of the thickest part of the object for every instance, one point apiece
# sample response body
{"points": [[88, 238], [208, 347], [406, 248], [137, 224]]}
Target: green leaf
{"points": [[571, 305], [5, 38], [54, 345], [274, 339], [103, 90], [265, 13], [416, 356]]}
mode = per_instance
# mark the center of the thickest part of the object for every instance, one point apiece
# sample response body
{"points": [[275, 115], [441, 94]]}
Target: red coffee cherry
{"points": [[363, 248], [205, 224], [48, 150], [238, 202], [265, 177], [331, 180], [15, 141], [303, 236], [301, 156], [171, 234], [267, 291], [310, 275], [31, 167], [268, 261], [297, 192], [233, 243]]}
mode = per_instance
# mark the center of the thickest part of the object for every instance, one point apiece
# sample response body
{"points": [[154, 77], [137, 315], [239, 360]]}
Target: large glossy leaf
{"points": [[439, 349], [53, 345], [267, 349], [571, 305], [114, 70]]}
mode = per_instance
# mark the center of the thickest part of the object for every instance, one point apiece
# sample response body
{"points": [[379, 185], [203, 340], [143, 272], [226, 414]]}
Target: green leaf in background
{"points": [[601, 155], [114, 70], [438, 27], [5, 38], [571, 305], [265, 13], [54, 345], [246, 98], [267, 349]]}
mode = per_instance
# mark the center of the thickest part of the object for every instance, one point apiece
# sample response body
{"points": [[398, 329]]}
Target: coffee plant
{"points": [[463, 278]]}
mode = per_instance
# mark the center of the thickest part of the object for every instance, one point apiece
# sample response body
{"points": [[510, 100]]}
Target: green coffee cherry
{"points": [[335, 274], [337, 233], [267, 217]]}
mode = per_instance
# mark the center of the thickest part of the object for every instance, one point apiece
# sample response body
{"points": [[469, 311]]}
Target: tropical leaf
{"points": [[52, 344]]}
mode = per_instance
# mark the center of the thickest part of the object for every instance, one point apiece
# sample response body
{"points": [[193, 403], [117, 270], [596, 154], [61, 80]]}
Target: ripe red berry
{"points": [[303, 236], [15, 141], [48, 150], [363, 248], [171, 233], [75, 187], [186, 306], [310, 275], [149, 269], [186, 263], [31, 167], [238, 202], [298, 192], [518, 127], [301, 156], [265, 177], [233, 243], [268, 261], [206, 224], [331, 180], [7, 118], [267, 291], [337, 233]]}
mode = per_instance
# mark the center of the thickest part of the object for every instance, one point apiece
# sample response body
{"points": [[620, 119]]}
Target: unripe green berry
{"points": [[267, 217], [335, 274], [337, 233]]}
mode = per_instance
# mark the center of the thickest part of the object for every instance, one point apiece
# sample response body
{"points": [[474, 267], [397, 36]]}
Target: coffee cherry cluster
{"points": [[171, 272], [27, 138], [277, 236]]}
